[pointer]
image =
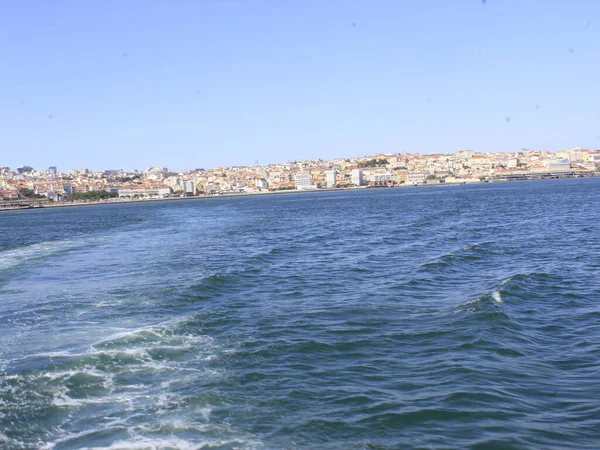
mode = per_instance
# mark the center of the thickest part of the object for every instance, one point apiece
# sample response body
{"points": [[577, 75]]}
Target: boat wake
{"points": [[129, 390], [18, 256]]}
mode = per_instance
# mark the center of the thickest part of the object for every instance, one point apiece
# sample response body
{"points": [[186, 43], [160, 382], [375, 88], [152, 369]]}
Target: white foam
{"points": [[137, 353], [496, 296], [170, 425], [140, 442], [140, 351], [163, 333], [470, 302], [71, 436], [50, 355], [205, 412], [92, 371], [18, 256], [62, 399], [145, 443]]}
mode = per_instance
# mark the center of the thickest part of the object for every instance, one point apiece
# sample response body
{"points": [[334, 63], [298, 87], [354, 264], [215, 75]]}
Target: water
{"points": [[437, 317]]}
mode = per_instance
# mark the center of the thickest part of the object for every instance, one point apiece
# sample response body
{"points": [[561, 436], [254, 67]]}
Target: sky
{"points": [[190, 84]]}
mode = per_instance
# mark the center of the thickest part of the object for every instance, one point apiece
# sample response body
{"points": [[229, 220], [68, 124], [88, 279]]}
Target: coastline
{"points": [[117, 201], [66, 204]]}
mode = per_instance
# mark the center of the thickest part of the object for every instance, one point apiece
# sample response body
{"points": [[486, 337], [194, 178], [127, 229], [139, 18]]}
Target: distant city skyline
{"points": [[398, 160], [207, 84], [257, 163], [558, 154], [381, 170]]}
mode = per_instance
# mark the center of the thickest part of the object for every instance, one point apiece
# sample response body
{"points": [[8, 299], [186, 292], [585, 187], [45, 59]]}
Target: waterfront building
{"points": [[188, 187], [383, 179], [7, 194], [331, 177], [304, 181], [149, 192], [512, 163], [416, 177], [561, 165], [401, 175], [356, 177]]}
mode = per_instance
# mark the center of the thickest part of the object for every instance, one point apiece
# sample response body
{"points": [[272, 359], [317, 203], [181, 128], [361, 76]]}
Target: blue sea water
{"points": [[436, 317]]}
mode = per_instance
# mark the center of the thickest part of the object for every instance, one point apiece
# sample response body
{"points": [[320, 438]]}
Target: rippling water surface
{"points": [[438, 317]]}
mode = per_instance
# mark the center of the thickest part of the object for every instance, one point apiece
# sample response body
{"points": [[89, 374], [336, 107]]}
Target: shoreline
{"points": [[250, 194], [226, 195], [196, 197]]}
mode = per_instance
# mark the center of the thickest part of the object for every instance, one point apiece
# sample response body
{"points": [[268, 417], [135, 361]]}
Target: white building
{"points": [[381, 177], [415, 177], [331, 177], [261, 183], [304, 181], [151, 192], [357, 177], [188, 187], [512, 163], [561, 165]]}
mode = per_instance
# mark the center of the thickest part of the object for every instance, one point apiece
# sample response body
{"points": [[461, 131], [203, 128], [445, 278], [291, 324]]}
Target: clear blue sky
{"points": [[187, 84]]}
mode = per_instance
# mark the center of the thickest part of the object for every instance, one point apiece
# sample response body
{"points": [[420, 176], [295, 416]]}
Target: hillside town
{"points": [[380, 170]]}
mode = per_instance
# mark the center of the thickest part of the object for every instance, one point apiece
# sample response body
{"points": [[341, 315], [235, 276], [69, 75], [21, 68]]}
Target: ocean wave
{"points": [[493, 296], [457, 258], [508, 286]]}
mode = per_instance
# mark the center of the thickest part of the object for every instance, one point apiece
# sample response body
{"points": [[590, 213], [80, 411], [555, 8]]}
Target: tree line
{"points": [[93, 195]]}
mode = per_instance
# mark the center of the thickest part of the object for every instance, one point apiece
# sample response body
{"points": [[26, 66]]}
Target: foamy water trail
{"points": [[15, 257], [128, 373]]}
